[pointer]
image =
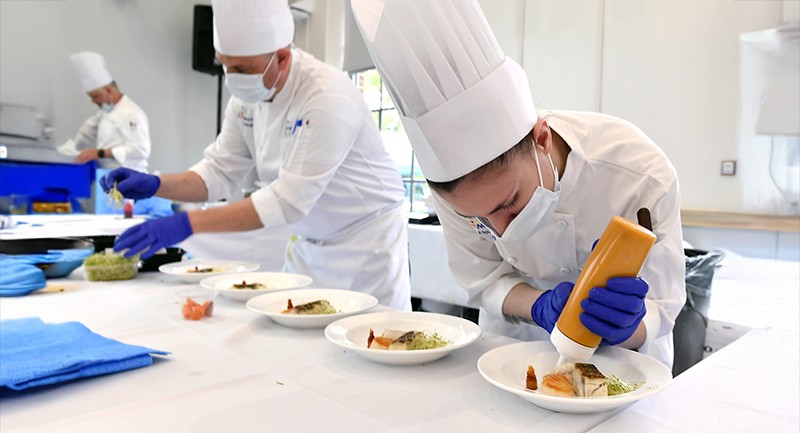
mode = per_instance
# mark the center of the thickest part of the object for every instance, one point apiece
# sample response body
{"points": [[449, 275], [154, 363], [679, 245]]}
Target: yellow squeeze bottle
{"points": [[620, 252]]}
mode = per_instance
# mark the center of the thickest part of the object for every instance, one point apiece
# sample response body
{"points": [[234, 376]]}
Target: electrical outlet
{"points": [[3, 152], [728, 168]]}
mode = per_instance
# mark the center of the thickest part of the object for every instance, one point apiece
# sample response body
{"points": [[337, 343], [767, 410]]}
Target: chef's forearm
{"points": [[637, 339], [519, 300], [235, 217], [187, 187]]}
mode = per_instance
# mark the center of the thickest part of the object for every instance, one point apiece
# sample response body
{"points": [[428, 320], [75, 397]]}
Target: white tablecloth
{"points": [[238, 371], [66, 225], [430, 274], [751, 385], [756, 293]]}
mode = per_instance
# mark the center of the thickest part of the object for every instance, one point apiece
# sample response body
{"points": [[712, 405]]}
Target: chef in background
{"points": [[522, 193], [306, 130], [117, 135]]}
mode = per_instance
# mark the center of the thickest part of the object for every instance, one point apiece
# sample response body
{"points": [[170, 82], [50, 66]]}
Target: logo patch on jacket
{"points": [[246, 121], [481, 229]]}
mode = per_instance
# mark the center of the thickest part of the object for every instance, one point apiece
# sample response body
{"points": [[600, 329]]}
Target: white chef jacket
{"points": [[124, 132], [328, 175], [613, 168]]}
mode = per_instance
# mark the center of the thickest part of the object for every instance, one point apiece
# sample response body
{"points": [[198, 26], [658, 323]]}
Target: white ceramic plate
{"points": [[352, 332], [346, 302], [181, 269], [505, 367], [274, 281]]}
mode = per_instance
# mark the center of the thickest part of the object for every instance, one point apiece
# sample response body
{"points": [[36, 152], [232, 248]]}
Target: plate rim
{"points": [[404, 353], [207, 282], [165, 268], [607, 403], [301, 318]]}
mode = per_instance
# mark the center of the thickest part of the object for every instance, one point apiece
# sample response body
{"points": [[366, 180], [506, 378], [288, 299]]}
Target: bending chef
{"points": [[522, 193]]}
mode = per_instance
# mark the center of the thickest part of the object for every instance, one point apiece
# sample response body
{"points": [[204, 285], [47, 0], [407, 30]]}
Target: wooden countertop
{"points": [[731, 220]]}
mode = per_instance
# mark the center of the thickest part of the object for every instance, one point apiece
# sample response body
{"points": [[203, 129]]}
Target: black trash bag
{"points": [[700, 266], [689, 333]]}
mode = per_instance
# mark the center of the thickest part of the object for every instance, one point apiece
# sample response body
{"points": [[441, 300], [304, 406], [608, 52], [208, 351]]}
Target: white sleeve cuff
{"points": [[267, 205], [652, 325], [495, 295], [214, 184]]}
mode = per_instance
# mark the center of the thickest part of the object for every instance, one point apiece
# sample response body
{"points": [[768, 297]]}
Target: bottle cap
{"points": [[569, 348]]}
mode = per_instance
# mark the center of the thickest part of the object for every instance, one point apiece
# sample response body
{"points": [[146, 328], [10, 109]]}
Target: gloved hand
{"points": [[614, 312], [131, 183], [153, 235], [548, 306]]}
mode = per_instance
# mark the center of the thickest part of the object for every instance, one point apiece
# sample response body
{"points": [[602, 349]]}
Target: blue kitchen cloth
{"points": [[13, 273], [34, 353], [19, 278]]}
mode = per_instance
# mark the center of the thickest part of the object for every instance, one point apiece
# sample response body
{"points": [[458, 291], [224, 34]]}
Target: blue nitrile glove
{"points": [[548, 306], [131, 183], [614, 312], [153, 235]]}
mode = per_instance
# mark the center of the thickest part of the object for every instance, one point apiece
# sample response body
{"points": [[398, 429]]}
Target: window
{"points": [[394, 138]]}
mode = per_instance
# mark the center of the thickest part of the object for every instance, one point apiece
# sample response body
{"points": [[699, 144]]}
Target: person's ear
{"points": [[284, 54], [542, 136]]}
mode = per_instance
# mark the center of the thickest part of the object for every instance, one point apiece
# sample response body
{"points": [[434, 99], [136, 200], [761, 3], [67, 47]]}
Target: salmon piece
{"points": [[208, 308], [557, 384], [187, 311]]}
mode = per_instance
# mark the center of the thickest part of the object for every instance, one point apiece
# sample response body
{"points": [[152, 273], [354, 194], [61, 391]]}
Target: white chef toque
{"points": [[462, 101], [251, 27], [91, 68]]}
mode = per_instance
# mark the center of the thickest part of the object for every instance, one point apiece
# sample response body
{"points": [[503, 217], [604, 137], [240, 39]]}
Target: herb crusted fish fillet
{"points": [[321, 306], [588, 381], [392, 339]]}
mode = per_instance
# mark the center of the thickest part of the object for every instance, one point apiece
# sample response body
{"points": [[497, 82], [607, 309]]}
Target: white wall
{"points": [[672, 68], [669, 66], [562, 53], [147, 45]]}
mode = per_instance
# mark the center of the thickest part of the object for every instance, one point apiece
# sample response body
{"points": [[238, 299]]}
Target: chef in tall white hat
{"points": [[118, 134], [523, 193], [307, 132]]}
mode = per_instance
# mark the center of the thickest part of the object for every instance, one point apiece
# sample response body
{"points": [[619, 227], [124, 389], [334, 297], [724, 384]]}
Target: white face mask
{"points": [[106, 107], [539, 210], [250, 87]]}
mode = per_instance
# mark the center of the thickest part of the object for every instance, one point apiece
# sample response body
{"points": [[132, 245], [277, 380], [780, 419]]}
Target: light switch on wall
{"points": [[728, 168]]}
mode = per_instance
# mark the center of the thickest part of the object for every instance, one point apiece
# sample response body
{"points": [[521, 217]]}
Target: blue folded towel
{"points": [[19, 278], [34, 353]]}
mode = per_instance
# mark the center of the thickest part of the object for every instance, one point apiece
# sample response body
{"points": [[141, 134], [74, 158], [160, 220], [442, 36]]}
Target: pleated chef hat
{"points": [[91, 68], [251, 27], [461, 100]]}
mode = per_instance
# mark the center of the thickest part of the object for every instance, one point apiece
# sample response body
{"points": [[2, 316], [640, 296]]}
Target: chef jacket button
{"points": [[512, 260], [564, 271], [562, 224]]}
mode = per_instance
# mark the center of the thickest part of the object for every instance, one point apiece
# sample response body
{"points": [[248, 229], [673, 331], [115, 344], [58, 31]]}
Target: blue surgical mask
{"points": [[539, 210], [250, 87]]}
